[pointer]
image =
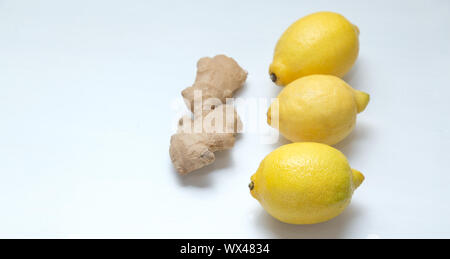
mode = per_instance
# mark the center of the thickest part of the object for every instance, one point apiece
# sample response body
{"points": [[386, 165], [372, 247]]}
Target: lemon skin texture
{"points": [[317, 108], [320, 43], [305, 183]]}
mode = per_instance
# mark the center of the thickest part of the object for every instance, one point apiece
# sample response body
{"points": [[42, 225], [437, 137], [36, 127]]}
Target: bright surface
{"points": [[86, 107]]}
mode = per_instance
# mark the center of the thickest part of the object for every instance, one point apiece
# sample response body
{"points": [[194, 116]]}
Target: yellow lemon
{"points": [[317, 108], [320, 43], [304, 183]]}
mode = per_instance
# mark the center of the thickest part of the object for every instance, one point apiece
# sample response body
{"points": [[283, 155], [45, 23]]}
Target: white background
{"points": [[87, 90]]}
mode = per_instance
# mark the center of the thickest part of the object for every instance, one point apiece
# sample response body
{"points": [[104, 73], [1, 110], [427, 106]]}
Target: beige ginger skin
{"points": [[215, 124]]}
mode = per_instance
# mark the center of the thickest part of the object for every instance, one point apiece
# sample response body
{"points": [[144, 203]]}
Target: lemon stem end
{"points": [[358, 178], [362, 99]]}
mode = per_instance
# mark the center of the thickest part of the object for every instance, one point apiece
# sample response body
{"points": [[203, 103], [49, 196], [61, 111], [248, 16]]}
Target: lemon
{"points": [[317, 108], [320, 43], [304, 183]]}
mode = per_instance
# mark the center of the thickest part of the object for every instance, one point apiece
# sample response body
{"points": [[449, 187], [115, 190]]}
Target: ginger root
{"points": [[190, 151], [217, 78], [215, 124]]}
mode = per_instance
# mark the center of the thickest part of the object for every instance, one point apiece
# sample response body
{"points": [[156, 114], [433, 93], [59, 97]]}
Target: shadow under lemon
{"points": [[334, 228]]}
